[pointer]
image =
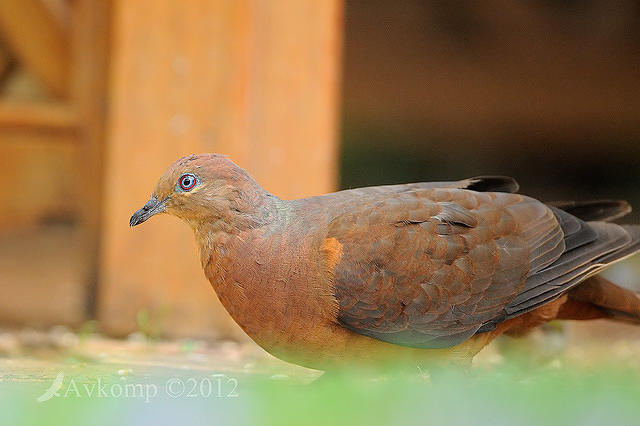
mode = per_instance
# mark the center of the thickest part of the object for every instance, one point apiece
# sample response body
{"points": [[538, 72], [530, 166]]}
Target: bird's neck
{"points": [[214, 235]]}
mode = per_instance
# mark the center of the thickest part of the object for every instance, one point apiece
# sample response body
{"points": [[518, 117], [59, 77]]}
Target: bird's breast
{"points": [[273, 288]]}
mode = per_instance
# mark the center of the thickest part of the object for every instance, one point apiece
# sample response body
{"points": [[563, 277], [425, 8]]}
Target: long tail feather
{"points": [[619, 303]]}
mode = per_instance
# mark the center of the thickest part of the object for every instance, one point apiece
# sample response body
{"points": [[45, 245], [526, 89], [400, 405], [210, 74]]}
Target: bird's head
{"points": [[205, 188]]}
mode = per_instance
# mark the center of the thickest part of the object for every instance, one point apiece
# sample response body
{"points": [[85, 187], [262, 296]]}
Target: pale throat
{"points": [[211, 236]]}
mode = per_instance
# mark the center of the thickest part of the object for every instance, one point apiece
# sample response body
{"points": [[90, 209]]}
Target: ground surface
{"points": [[552, 378]]}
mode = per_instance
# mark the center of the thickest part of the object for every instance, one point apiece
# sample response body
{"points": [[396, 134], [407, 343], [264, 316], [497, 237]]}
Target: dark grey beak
{"points": [[153, 206]]}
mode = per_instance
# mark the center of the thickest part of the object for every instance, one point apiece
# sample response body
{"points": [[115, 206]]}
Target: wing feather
{"points": [[429, 265], [426, 271]]}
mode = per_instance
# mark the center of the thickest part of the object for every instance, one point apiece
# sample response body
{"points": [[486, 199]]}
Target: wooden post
{"points": [[256, 80], [91, 31]]}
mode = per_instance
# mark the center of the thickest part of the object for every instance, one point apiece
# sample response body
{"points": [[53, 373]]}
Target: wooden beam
{"points": [[252, 79], [91, 21], [39, 40], [52, 116]]}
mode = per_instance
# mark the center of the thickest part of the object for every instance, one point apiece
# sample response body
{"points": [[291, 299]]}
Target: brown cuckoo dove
{"points": [[415, 272]]}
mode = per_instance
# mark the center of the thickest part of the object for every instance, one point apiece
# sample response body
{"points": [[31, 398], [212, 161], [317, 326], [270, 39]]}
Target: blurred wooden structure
{"points": [[97, 98], [53, 76], [255, 80]]}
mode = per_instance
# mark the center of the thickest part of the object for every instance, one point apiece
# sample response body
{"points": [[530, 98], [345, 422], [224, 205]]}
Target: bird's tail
{"points": [[603, 210], [598, 297]]}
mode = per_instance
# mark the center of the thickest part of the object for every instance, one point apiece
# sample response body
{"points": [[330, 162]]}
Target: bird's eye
{"points": [[187, 182]]}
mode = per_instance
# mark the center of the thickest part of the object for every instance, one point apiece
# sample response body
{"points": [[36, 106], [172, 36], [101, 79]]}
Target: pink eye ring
{"points": [[187, 182]]}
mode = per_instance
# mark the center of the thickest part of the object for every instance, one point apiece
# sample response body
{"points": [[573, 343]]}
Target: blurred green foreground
{"points": [[183, 388]]}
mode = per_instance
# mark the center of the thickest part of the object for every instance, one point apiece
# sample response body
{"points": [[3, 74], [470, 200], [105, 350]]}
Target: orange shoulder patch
{"points": [[332, 252]]}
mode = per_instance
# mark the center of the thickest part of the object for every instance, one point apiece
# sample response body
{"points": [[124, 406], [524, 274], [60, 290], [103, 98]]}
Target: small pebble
{"points": [[137, 338], [33, 338], [199, 357], [125, 371], [61, 336], [9, 344]]}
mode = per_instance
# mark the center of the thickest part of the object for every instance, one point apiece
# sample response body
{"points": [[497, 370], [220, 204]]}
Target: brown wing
{"points": [[428, 267]]}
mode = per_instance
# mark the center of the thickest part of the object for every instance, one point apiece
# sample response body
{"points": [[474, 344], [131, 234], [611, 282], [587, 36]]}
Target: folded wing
{"points": [[429, 267]]}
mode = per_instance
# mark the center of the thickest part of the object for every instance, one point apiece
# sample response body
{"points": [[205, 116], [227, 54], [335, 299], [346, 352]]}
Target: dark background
{"points": [[545, 91]]}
